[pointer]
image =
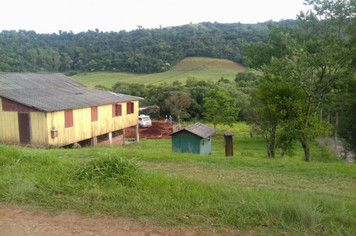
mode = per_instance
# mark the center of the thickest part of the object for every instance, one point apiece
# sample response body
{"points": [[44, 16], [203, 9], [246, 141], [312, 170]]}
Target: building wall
{"points": [[42, 123], [39, 128], [205, 148], [185, 142], [9, 124], [9, 127], [83, 128]]}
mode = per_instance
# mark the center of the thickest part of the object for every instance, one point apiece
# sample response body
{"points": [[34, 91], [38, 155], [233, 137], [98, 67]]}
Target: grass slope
{"points": [[148, 182], [202, 67]]}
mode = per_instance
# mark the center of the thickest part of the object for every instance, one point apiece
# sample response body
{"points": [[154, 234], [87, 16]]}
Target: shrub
{"points": [[109, 167], [71, 73]]}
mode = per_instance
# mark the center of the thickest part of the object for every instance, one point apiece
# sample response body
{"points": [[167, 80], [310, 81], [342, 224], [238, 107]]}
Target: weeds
{"points": [[246, 191], [109, 167]]}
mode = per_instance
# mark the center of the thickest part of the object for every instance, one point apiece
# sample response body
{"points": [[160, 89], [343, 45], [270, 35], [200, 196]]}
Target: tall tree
{"points": [[312, 58], [178, 102], [220, 108], [274, 113]]}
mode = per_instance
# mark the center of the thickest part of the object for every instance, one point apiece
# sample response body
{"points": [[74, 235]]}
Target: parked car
{"points": [[144, 121]]}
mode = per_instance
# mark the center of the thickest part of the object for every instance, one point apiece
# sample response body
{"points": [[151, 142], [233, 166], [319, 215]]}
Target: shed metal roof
{"points": [[198, 129], [54, 92]]}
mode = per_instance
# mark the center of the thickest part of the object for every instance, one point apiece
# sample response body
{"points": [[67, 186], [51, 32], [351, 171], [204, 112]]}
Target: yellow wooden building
{"points": [[47, 110]]}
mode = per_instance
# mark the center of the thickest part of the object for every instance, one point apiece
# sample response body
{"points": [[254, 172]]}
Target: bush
{"points": [[71, 73], [107, 167]]}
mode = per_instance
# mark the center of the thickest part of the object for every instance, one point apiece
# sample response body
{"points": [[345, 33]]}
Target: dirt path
{"points": [[158, 130], [23, 221]]}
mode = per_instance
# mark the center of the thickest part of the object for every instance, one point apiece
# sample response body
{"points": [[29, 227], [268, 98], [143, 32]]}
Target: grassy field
{"points": [[201, 67], [146, 181]]}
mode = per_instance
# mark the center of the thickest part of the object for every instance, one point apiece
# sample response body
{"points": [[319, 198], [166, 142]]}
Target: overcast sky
{"points": [[50, 16]]}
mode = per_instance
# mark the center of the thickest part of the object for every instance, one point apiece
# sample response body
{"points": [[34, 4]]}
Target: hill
{"points": [[137, 51], [201, 67]]}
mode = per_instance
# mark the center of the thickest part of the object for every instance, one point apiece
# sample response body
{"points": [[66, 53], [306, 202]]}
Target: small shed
{"points": [[229, 149], [193, 139]]}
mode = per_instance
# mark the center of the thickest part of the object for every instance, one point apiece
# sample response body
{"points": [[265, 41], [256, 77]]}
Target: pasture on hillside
{"points": [[203, 68], [147, 182]]}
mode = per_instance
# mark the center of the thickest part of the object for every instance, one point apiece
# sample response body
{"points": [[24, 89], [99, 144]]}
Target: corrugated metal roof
{"points": [[54, 92], [198, 129]]}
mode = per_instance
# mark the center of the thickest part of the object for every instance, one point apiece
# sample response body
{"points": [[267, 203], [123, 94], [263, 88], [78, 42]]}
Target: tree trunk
{"points": [[306, 150], [270, 150], [283, 152], [327, 134], [335, 132], [285, 147], [271, 143]]}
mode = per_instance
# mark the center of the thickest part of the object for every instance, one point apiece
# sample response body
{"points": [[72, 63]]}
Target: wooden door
{"points": [[24, 128]]}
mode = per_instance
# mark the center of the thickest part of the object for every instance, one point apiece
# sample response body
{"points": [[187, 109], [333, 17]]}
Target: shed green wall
{"points": [[187, 142]]}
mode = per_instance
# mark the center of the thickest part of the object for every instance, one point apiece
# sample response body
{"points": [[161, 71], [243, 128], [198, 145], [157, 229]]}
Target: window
{"points": [[68, 118], [130, 108], [116, 110], [94, 114]]}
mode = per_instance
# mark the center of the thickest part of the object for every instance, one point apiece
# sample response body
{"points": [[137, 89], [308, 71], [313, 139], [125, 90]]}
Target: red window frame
{"points": [[68, 118], [130, 108], [116, 110], [94, 114]]}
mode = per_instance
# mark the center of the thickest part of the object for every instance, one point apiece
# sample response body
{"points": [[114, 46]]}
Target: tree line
{"points": [[218, 102], [307, 69], [138, 51]]}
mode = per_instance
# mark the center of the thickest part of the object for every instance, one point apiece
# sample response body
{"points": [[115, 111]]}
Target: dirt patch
{"points": [[198, 63], [159, 130], [23, 221], [226, 64]]}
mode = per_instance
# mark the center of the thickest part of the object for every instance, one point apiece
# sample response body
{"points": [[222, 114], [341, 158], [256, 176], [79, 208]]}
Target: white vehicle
{"points": [[144, 121]]}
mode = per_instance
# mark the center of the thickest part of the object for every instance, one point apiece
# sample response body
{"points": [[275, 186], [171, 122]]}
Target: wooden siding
{"points": [[8, 105], [9, 126], [186, 142], [39, 129], [83, 128]]}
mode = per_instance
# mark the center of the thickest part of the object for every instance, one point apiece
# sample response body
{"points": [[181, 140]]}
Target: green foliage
{"points": [[101, 87], [71, 73], [248, 77], [220, 108], [109, 167], [130, 89], [213, 193], [312, 58], [347, 123], [327, 156], [137, 51], [177, 103], [201, 68], [273, 109]]}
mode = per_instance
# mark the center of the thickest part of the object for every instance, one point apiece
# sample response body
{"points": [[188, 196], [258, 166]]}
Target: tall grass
{"points": [[148, 181]]}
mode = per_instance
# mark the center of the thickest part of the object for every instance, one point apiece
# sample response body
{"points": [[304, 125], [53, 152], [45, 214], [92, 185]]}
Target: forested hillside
{"points": [[138, 51]]}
